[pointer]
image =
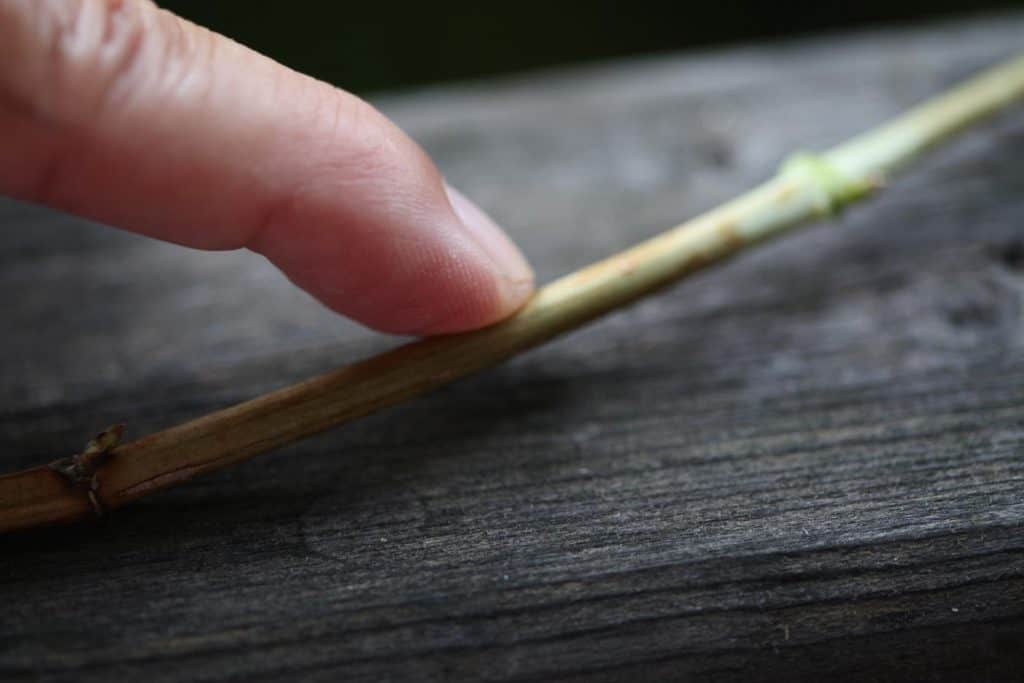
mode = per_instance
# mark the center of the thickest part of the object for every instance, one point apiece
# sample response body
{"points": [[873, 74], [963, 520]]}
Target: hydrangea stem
{"points": [[807, 187]]}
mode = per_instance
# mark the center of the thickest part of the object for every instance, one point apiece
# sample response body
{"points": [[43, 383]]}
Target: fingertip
{"points": [[497, 283], [424, 274], [443, 285], [506, 257], [482, 307], [441, 270], [513, 278]]}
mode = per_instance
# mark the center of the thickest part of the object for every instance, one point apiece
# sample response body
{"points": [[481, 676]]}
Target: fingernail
{"points": [[516, 274]]}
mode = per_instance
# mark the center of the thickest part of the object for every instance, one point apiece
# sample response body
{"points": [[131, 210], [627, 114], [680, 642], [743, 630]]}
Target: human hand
{"points": [[122, 112]]}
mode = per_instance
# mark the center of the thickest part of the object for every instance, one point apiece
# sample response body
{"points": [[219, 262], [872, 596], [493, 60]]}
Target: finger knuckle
{"points": [[92, 54]]}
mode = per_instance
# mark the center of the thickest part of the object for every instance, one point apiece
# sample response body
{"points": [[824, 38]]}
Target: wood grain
{"points": [[807, 463]]}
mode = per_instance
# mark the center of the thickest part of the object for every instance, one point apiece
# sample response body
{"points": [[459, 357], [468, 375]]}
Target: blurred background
{"points": [[368, 46]]}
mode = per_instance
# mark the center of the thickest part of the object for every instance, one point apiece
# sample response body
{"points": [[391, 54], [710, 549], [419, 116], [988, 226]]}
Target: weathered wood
{"points": [[810, 460]]}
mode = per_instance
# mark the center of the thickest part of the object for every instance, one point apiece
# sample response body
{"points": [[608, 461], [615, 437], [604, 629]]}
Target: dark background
{"points": [[365, 45]]}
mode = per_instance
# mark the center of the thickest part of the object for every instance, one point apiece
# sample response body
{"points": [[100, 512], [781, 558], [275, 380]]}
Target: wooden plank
{"points": [[808, 461]]}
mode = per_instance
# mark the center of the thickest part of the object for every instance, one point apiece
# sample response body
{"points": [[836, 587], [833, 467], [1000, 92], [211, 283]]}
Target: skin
{"points": [[124, 113]]}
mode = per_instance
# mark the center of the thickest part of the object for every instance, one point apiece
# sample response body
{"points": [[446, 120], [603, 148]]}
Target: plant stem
{"points": [[807, 187]]}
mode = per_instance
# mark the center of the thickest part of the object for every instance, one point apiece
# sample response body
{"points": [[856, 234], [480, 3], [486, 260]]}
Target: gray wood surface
{"points": [[806, 464]]}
